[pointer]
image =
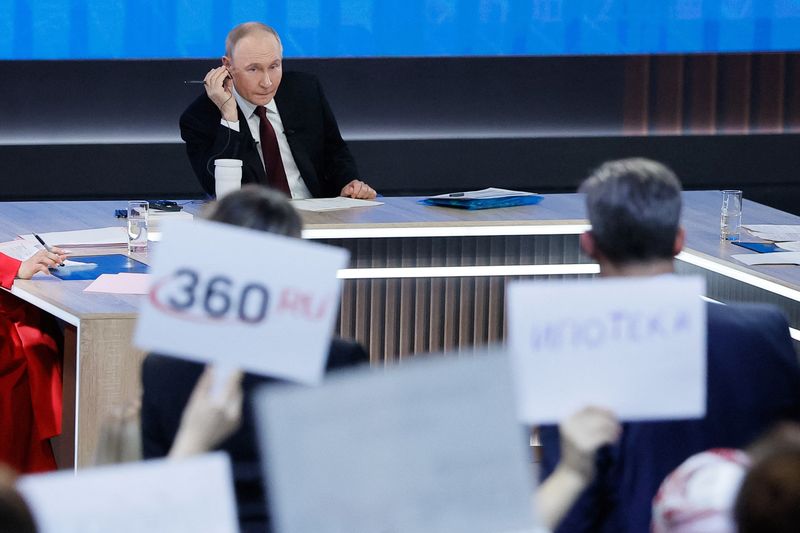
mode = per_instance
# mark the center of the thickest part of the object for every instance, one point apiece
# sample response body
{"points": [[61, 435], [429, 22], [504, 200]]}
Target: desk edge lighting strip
{"points": [[738, 275], [444, 231], [467, 271]]}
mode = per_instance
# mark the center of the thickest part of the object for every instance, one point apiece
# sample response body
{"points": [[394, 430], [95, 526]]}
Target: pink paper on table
{"points": [[124, 283]]}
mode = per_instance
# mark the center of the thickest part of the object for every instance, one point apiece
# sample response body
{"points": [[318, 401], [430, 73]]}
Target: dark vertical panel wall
{"points": [[708, 94], [420, 125]]}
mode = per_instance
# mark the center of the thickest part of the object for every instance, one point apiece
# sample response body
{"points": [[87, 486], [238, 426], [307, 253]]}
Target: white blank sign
{"points": [[636, 346], [158, 496], [430, 447]]}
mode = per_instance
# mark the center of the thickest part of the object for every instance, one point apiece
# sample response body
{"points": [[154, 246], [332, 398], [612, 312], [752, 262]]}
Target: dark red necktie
{"points": [[276, 174]]}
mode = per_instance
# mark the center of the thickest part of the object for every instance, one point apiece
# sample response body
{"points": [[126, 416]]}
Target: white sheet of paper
{"points": [[774, 232], [110, 236], [122, 283], [484, 194], [20, 249], [769, 258], [247, 299], [432, 446], [158, 496], [636, 346], [789, 246], [331, 204]]}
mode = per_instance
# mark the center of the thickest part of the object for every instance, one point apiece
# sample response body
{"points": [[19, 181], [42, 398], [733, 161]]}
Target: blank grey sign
{"points": [[427, 447]]}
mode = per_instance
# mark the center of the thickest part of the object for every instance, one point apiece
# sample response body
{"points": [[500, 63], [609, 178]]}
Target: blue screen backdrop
{"points": [[110, 29]]}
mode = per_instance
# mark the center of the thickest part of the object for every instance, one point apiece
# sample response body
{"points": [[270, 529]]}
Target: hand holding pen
{"points": [[51, 254]]}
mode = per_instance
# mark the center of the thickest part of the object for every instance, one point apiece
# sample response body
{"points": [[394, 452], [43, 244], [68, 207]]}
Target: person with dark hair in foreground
{"points": [[278, 124], [753, 379], [769, 499], [168, 382]]}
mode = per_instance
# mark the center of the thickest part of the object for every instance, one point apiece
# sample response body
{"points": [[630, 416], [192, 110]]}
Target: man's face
{"points": [[255, 66]]}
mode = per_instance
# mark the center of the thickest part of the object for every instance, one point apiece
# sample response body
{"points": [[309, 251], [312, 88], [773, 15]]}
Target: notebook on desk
{"points": [[90, 267], [489, 198]]}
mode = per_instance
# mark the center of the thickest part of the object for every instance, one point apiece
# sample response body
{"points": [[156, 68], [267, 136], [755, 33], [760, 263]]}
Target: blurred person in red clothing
{"points": [[30, 370]]}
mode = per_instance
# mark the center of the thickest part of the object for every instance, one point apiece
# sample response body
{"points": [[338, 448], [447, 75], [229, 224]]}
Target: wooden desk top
{"points": [[407, 212], [399, 215]]}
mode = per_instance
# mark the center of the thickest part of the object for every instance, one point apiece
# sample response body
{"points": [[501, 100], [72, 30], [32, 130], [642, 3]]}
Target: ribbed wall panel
{"points": [[712, 93], [397, 318]]}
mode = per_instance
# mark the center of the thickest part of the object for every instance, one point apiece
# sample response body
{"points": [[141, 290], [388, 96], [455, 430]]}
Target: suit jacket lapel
{"points": [[291, 112]]}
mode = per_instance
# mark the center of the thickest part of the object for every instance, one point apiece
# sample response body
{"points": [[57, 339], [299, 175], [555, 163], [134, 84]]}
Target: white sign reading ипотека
{"points": [[636, 346], [242, 298]]}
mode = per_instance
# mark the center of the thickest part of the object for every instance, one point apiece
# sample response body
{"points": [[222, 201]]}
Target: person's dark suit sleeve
{"points": [[155, 442], [340, 166], [207, 140], [345, 353]]}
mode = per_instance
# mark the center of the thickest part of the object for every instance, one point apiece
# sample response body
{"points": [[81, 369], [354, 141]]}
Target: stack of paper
{"points": [[774, 232], [22, 250], [483, 199], [112, 236], [123, 283], [331, 204], [771, 258], [155, 218], [19, 249]]}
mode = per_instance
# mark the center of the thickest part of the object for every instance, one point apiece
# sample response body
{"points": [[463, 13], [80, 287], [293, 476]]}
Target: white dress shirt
{"points": [[297, 186]]}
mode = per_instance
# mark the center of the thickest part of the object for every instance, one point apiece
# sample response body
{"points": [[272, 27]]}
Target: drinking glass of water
{"points": [[137, 226], [730, 215]]}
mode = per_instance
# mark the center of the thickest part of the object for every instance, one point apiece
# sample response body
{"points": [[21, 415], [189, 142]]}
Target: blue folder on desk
{"points": [[484, 199], [89, 267]]}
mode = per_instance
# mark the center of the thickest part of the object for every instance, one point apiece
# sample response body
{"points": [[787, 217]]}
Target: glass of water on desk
{"points": [[730, 215], [137, 226]]}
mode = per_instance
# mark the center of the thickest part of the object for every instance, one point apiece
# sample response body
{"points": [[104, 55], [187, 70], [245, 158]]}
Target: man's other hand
{"points": [[358, 189], [219, 89]]}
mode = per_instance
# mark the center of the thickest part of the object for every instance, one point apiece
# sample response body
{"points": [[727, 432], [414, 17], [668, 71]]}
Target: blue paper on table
{"points": [[484, 199], [89, 267]]}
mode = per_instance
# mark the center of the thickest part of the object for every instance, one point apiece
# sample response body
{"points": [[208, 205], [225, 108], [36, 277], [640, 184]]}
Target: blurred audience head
{"points": [[769, 500], [259, 208], [15, 515], [698, 496], [634, 206]]}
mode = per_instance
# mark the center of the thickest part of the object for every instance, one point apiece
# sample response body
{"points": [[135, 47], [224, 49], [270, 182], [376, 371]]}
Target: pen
{"points": [[456, 194], [194, 82], [46, 247]]}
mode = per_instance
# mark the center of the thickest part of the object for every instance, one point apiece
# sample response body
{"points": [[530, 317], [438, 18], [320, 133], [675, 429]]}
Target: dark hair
{"points": [[769, 499], [634, 206], [257, 207], [15, 515]]}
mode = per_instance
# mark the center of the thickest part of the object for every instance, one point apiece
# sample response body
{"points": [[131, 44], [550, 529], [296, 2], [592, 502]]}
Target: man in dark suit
{"points": [[753, 379], [279, 125], [167, 383]]}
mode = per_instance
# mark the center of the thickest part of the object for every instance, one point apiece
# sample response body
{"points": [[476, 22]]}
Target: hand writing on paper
{"points": [[358, 189], [208, 418], [41, 261]]}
